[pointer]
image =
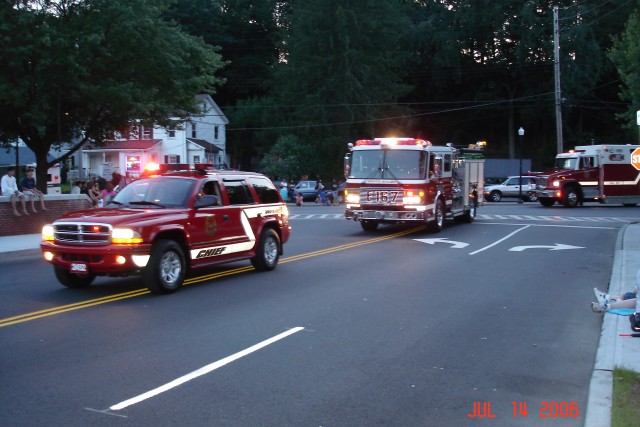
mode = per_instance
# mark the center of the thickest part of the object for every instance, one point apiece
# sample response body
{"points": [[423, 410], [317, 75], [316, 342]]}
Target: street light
{"points": [[521, 133]]}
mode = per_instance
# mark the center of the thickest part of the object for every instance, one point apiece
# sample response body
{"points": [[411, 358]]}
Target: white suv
{"points": [[511, 188]]}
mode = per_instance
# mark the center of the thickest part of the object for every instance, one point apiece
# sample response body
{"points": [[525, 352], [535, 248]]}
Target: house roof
{"points": [[127, 144], [214, 107], [208, 147]]}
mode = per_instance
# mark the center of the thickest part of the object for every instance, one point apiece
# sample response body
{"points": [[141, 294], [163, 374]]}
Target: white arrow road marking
{"points": [[556, 247], [454, 244]]}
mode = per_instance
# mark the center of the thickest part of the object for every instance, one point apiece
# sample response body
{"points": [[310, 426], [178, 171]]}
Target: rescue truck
{"points": [[598, 173], [408, 180], [163, 225]]}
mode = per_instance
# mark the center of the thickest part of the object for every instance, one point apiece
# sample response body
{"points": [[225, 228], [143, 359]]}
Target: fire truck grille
{"points": [[541, 183], [84, 233], [381, 196]]}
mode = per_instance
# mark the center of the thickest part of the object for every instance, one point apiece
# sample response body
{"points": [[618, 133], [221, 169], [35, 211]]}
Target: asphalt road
{"points": [[351, 329]]}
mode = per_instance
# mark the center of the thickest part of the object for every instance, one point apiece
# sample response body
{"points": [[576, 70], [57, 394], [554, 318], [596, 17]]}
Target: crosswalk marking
{"points": [[492, 217]]}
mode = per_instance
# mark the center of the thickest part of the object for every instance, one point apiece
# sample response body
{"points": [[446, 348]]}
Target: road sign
{"points": [[635, 158]]}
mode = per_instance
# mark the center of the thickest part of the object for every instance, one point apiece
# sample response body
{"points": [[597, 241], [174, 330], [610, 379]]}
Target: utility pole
{"points": [[556, 68]]}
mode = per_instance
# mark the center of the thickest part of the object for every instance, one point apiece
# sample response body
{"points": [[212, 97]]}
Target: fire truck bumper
{"points": [[385, 216]]}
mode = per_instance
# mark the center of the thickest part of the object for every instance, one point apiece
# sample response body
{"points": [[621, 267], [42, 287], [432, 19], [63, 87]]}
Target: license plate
{"points": [[382, 196], [79, 267]]}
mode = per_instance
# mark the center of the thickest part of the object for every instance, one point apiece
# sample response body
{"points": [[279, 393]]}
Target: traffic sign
{"points": [[635, 158]]}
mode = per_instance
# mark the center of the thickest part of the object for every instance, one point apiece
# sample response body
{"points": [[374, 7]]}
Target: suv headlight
{"points": [[125, 236]]}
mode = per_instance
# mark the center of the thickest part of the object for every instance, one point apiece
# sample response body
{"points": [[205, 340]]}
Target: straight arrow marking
{"points": [[555, 247], [454, 244]]}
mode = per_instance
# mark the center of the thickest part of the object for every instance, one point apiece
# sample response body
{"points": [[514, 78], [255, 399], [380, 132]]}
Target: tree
{"points": [[625, 54], [77, 70], [340, 73]]}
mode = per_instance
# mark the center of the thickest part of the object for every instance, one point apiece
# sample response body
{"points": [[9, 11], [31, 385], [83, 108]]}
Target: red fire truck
{"points": [[408, 180], [600, 173]]}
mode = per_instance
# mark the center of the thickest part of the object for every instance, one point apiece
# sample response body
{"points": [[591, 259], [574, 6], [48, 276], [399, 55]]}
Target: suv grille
{"points": [[86, 233]]}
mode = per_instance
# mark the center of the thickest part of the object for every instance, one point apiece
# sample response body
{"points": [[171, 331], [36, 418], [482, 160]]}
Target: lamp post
{"points": [[521, 133]]}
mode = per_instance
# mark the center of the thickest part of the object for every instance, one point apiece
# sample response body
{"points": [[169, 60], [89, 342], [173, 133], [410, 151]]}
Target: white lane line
{"points": [[204, 370], [501, 240]]}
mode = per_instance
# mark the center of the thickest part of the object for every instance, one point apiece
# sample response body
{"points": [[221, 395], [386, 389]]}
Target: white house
{"points": [[202, 140]]}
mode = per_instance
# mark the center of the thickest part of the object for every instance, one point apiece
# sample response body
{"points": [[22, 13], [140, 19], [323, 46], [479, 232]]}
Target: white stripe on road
{"points": [[204, 370]]}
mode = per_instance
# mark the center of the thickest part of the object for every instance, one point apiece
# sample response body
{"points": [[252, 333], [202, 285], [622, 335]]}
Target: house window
{"points": [[134, 164], [193, 130], [171, 133], [172, 159], [147, 132], [216, 132], [196, 159]]}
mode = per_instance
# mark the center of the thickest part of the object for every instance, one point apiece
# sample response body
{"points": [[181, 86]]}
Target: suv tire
{"points": [[267, 252], [166, 269]]}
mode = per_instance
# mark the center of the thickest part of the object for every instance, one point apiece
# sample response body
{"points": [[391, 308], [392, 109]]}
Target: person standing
{"points": [[10, 188], [28, 184], [77, 189]]}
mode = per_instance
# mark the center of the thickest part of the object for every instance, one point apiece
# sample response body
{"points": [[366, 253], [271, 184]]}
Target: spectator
{"points": [[28, 184], [284, 191], [94, 194], [108, 192], [10, 188], [77, 189]]}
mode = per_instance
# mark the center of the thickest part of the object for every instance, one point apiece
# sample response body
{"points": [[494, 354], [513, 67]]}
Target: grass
{"points": [[626, 398]]}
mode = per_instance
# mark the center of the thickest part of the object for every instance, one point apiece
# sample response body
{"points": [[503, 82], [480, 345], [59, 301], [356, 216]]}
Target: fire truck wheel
{"points": [[268, 251], [438, 223], [72, 280], [165, 272], [546, 202], [495, 196], [570, 198], [368, 225], [629, 205]]}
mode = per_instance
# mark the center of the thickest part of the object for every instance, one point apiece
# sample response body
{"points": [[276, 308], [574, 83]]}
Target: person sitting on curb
{"points": [[28, 184], [610, 302], [10, 188]]}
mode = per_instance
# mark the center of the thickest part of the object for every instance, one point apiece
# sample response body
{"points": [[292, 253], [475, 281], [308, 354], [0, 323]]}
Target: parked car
{"points": [[511, 188], [307, 189]]}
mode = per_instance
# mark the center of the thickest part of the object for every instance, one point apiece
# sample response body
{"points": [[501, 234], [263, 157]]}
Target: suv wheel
{"points": [[268, 251], [165, 272]]}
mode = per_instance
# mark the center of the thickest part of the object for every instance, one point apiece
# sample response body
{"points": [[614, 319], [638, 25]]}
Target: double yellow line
{"points": [[139, 292]]}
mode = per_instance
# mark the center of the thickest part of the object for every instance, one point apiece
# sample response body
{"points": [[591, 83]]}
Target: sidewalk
{"points": [[613, 350]]}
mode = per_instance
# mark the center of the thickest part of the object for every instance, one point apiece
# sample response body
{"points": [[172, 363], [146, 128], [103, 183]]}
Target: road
{"points": [[395, 327]]}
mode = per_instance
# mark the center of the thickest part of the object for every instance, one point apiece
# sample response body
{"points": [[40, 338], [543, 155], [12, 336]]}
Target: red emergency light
{"points": [[392, 142]]}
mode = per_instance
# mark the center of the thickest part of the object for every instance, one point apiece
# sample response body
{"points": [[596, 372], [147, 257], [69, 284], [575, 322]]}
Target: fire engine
{"points": [[408, 180], [164, 225], [600, 173]]}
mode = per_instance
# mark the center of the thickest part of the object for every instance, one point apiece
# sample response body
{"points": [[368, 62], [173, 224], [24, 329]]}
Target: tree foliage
{"points": [[78, 70], [625, 54]]}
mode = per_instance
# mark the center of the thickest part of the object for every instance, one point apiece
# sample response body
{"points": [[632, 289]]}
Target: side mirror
{"points": [[206, 201]]}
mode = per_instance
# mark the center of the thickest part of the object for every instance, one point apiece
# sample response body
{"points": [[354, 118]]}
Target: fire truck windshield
{"points": [[566, 163], [159, 192], [387, 164]]}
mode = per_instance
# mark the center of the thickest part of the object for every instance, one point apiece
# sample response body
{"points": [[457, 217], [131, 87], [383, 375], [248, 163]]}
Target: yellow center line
{"points": [[138, 292]]}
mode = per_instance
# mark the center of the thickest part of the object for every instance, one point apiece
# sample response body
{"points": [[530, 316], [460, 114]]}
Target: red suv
{"points": [[161, 226]]}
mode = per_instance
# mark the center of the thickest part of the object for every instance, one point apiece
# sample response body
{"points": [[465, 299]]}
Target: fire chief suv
{"points": [[161, 226]]}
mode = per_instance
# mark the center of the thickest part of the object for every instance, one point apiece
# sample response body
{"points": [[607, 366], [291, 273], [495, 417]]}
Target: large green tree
{"points": [[625, 53], [76, 70], [341, 68]]}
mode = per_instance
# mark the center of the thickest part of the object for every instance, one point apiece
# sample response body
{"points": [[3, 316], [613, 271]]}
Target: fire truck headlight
{"points": [[47, 233], [556, 183], [413, 197], [353, 198], [125, 236]]}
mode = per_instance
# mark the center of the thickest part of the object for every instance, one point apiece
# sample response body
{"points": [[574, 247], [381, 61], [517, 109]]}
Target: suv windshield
{"points": [[396, 164], [159, 192]]}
